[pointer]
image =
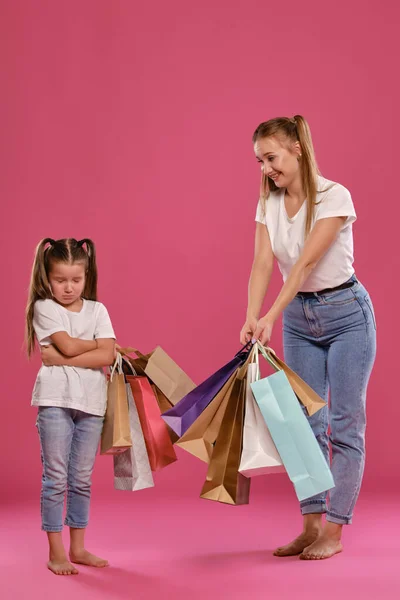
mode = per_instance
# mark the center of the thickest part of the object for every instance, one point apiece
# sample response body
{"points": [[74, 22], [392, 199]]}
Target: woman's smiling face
{"points": [[279, 161]]}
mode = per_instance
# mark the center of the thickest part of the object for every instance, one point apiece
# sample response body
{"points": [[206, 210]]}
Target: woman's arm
{"points": [[103, 356], [260, 277], [69, 346], [317, 244]]}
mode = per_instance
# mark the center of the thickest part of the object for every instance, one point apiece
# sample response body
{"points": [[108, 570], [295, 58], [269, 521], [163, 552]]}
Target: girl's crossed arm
{"points": [[102, 356]]}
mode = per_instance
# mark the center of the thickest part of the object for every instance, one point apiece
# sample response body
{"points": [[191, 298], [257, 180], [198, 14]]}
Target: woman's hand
{"points": [[51, 357], [248, 330], [263, 331]]}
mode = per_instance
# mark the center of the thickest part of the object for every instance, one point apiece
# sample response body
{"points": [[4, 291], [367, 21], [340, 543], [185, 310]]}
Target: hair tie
{"points": [[80, 243]]}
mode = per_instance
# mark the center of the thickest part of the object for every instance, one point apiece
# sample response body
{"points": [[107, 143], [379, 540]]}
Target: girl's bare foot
{"points": [[58, 561], [83, 557], [61, 566], [296, 547], [328, 543]]}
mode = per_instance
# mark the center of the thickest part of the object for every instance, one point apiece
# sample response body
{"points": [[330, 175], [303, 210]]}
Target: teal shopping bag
{"points": [[293, 436]]}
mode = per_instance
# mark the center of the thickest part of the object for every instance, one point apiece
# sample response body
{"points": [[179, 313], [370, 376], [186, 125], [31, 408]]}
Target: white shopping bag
{"points": [[259, 453], [132, 470]]}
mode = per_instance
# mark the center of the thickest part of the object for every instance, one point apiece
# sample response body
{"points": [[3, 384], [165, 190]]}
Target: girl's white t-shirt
{"points": [[71, 387], [287, 234]]}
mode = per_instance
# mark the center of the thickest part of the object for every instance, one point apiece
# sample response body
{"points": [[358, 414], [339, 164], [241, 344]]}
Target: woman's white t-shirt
{"points": [[287, 234], [71, 387]]}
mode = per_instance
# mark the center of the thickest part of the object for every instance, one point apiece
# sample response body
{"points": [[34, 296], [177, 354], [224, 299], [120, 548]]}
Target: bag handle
{"points": [[269, 355], [129, 350], [117, 366], [128, 363]]}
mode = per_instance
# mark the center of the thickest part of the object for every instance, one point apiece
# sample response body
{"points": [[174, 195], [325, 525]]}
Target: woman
{"points": [[329, 329]]}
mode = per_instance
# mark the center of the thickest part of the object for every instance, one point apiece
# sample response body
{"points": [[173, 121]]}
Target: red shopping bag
{"points": [[158, 442]]}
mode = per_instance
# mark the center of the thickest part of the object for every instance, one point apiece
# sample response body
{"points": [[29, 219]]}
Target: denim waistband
{"points": [[345, 285]]}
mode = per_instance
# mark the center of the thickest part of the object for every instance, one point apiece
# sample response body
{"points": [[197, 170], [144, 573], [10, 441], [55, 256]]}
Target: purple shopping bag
{"points": [[181, 416]]}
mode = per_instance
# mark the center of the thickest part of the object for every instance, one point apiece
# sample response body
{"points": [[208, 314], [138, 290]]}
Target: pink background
{"points": [[131, 123]]}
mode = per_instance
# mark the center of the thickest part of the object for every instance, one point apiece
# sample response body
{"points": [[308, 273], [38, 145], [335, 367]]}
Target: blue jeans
{"points": [[330, 341], [69, 440]]}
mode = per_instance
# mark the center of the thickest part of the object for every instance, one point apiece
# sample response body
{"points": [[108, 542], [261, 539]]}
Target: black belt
{"points": [[343, 286]]}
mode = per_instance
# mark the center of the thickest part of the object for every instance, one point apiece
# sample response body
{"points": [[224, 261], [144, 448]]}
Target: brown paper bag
{"points": [[310, 399], [168, 376], [162, 371], [224, 483], [116, 435], [139, 363], [200, 437]]}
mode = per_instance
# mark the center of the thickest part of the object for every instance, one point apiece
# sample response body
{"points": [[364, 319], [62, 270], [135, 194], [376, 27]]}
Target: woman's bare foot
{"points": [[322, 548], [83, 557], [312, 528], [299, 544], [62, 566], [328, 544]]}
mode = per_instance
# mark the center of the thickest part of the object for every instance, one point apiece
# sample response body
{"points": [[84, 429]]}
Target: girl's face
{"points": [[278, 162], [67, 282]]}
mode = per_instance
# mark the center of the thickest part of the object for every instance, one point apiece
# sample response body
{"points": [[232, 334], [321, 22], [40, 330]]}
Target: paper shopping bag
{"points": [[168, 376], [184, 414], [158, 443], [139, 363], [159, 367], [200, 437], [116, 436], [224, 483], [132, 469], [293, 436], [310, 399], [259, 453]]}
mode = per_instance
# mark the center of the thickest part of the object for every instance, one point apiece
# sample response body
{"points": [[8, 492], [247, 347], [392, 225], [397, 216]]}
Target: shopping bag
{"points": [[139, 365], [200, 437], [310, 399], [168, 376], [159, 367], [158, 443], [293, 436], [224, 483], [116, 436], [132, 469], [259, 453], [184, 414]]}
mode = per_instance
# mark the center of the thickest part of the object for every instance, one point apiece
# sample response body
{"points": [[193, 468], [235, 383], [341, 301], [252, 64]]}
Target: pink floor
{"points": [[177, 546]]}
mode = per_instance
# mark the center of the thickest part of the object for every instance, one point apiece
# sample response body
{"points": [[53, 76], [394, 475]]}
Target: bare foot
{"points": [[83, 557], [323, 547], [299, 544], [62, 567]]}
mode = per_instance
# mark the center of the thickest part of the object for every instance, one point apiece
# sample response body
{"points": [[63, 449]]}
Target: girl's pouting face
{"points": [[67, 282]]}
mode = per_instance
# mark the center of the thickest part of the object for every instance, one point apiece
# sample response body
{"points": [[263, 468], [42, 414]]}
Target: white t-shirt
{"points": [[287, 235], [71, 387]]}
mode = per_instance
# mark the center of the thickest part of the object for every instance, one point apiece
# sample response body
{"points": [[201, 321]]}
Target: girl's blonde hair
{"points": [[294, 130], [49, 251]]}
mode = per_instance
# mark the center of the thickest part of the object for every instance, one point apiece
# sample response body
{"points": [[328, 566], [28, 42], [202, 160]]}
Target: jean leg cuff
{"points": [[338, 519], [52, 529], [311, 508], [70, 523]]}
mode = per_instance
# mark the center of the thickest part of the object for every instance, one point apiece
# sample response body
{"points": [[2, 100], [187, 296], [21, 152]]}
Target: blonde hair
{"points": [[49, 251], [294, 130]]}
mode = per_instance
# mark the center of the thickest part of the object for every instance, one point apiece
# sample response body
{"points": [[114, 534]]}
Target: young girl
{"points": [[305, 222], [76, 339]]}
